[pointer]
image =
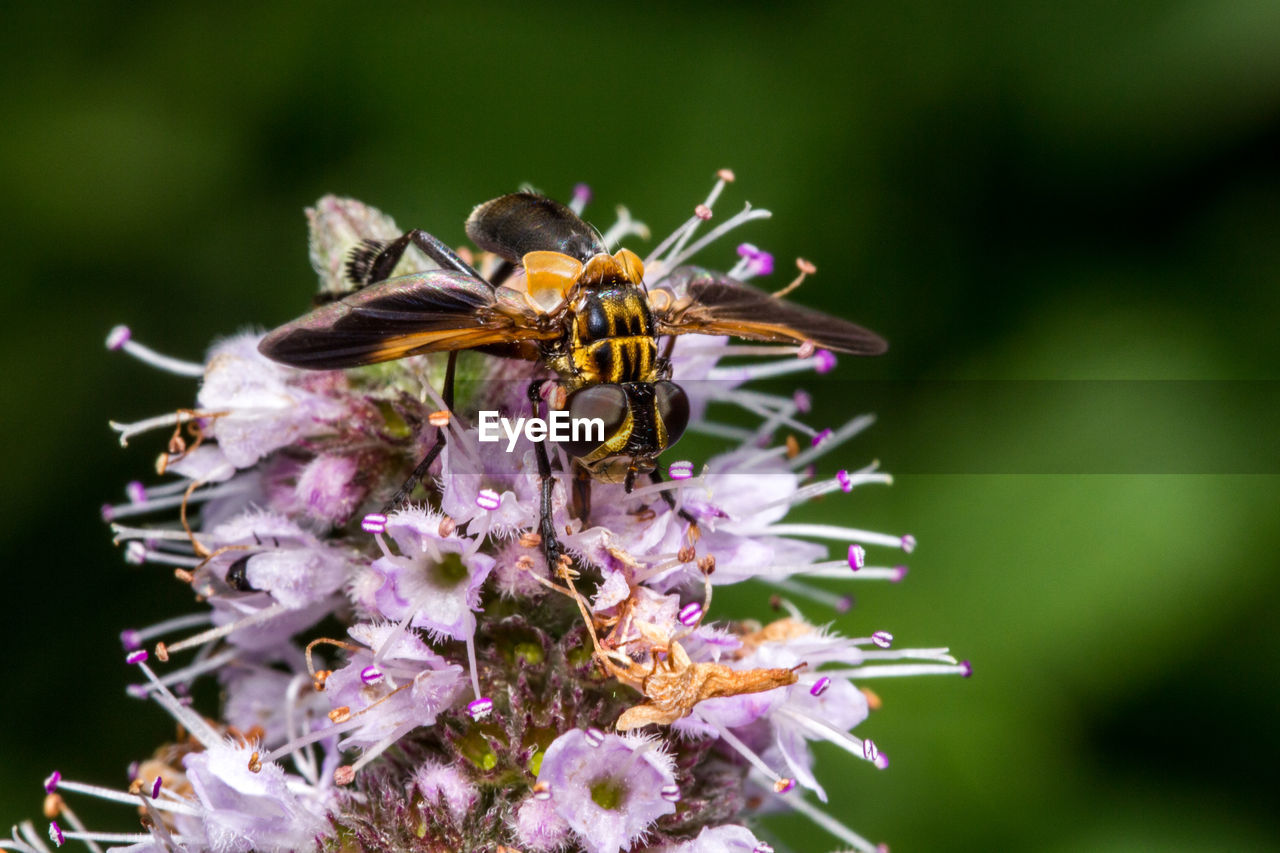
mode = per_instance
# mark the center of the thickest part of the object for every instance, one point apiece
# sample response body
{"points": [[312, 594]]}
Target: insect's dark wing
{"points": [[711, 303], [432, 311], [519, 223]]}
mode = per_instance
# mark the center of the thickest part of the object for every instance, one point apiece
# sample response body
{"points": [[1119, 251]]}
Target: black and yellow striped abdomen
{"points": [[611, 339]]}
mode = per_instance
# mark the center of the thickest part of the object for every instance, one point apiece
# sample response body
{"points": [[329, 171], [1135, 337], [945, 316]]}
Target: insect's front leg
{"points": [[581, 494], [656, 476], [551, 547]]}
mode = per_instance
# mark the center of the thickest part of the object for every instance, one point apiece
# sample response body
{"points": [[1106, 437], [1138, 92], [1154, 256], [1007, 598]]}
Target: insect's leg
{"points": [[382, 265], [407, 487], [581, 494], [656, 477], [502, 273], [547, 527]]}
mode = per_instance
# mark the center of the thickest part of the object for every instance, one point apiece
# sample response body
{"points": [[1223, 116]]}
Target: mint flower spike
{"points": [[466, 692]]}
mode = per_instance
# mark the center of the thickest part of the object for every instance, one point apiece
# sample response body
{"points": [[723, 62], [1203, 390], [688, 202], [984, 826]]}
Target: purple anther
{"points": [[899, 572], [702, 212], [820, 686], [374, 522], [136, 691], [883, 639], [670, 793], [130, 639], [761, 264], [136, 657], [488, 499], [55, 834], [845, 604], [681, 470], [908, 543], [480, 708], [804, 403], [821, 437], [869, 750], [582, 193], [824, 361], [370, 674], [857, 557], [966, 669], [690, 614], [118, 337], [155, 787], [846, 485], [51, 782], [135, 553], [594, 736], [107, 512], [135, 492]]}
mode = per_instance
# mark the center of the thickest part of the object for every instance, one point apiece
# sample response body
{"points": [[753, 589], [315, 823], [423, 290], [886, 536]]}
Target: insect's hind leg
{"points": [[551, 547], [365, 270], [407, 487]]}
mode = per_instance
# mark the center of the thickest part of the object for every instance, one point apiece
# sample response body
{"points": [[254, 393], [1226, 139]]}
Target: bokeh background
{"points": [[1062, 206]]}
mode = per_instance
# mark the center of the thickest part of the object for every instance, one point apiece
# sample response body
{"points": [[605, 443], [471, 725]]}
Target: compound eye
{"points": [[604, 403], [673, 408]]}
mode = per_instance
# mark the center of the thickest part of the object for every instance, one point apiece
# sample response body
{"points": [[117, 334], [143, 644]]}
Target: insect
{"points": [[586, 314]]}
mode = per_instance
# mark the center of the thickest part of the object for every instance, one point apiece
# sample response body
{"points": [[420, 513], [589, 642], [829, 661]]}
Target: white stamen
{"points": [[851, 744], [137, 553], [264, 615], [119, 338], [304, 759], [128, 431], [667, 485], [895, 671], [830, 531], [124, 533], [29, 842], [135, 638], [76, 824], [625, 226], [742, 218], [761, 370], [832, 441], [839, 570], [745, 751], [170, 501], [839, 603], [112, 795], [185, 674], [194, 723], [734, 433], [109, 837], [824, 487], [830, 824]]}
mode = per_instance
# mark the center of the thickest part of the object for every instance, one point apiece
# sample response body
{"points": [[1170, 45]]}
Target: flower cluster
{"points": [[421, 678]]}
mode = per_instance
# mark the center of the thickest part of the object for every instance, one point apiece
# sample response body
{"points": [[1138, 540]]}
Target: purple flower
{"points": [[433, 648], [435, 580], [243, 810], [609, 792], [414, 686]]}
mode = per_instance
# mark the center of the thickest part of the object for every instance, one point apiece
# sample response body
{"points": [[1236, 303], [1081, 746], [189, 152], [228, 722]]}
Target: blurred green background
{"points": [[1083, 191]]}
